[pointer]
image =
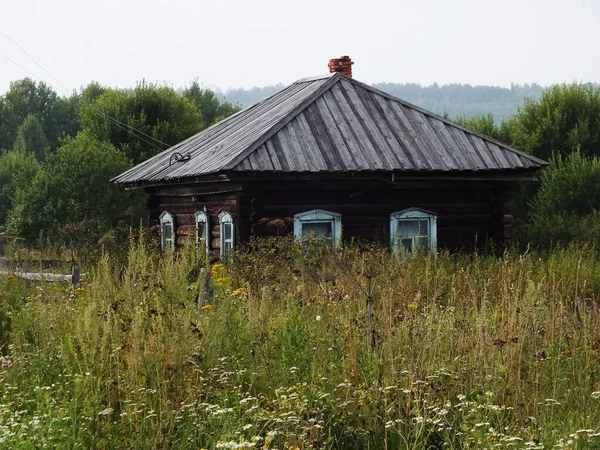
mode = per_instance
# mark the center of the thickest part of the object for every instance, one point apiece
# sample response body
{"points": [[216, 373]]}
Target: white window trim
{"points": [[320, 216], [225, 218], [166, 218], [202, 217], [413, 214]]}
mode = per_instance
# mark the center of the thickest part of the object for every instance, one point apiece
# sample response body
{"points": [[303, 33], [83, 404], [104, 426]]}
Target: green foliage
{"points": [[487, 126], [73, 187], [565, 119], [566, 207], [17, 171], [210, 107], [25, 97], [151, 115], [472, 352], [30, 139]]}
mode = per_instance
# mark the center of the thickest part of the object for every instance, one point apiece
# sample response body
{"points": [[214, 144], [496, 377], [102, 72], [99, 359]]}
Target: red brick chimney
{"points": [[342, 65]]}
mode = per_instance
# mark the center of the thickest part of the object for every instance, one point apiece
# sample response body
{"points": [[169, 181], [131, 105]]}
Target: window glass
{"points": [[318, 229], [168, 231], [201, 230], [413, 228], [227, 231]]}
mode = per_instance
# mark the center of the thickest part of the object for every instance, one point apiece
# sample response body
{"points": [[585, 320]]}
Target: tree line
{"points": [[58, 153]]}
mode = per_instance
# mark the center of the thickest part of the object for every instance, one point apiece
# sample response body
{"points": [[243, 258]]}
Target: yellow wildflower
{"points": [[79, 291], [222, 281], [240, 291], [207, 307], [11, 277], [217, 269]]}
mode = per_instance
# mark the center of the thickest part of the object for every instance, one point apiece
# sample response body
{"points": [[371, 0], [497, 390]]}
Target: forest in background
{"points": [[57, 154], [450, 100]]}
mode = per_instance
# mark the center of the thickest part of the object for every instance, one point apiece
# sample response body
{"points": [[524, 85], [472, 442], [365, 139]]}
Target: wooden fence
{"points": [[22, 270]]}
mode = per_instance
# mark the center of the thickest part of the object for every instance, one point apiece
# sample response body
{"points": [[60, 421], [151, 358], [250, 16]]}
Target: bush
{"points": [[566, 207]]}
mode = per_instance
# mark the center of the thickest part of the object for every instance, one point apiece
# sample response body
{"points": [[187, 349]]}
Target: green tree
{"points": [[566, 207], [73, 188], [17, 170], [57, 116], [208, 104], [487, 126], [30, 139], [565, 119], [150, 118]]}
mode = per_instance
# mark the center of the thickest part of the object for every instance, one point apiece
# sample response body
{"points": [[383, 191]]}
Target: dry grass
{"points": [[466, 352]]}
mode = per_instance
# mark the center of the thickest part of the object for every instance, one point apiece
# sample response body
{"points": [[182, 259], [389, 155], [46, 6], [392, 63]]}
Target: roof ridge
{"points": [[444, 119], [236, 159]]}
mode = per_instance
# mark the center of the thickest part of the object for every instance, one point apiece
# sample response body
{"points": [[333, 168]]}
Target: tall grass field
{"points": [[289, 347]]}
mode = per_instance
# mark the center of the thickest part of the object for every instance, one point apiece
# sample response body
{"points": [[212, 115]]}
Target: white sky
{"points": [[246, 43]]}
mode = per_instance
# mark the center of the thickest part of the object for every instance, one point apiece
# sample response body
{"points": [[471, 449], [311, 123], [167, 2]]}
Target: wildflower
{"points": [[79, 291], [222, 281], [11, 277], [217, 268], [596, 395], [318, 318], [209, 306], [412, 305], [240, 292]]}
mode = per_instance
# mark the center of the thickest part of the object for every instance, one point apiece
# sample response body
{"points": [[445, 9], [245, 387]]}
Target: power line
{"points": [[19, 65], [120, 124]]}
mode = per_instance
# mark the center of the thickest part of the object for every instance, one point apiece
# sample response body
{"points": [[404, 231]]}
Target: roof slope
{"points": [[331, 124]]}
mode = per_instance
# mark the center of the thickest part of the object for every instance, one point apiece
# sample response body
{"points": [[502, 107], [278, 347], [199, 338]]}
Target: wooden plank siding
{"points": [[469, 213]]}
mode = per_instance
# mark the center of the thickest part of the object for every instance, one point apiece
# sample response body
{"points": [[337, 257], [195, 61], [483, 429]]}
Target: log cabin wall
{"points": [[183, 202], [469, 213]]}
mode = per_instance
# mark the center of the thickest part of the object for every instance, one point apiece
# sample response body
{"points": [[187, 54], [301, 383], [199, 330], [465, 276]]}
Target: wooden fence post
{"points": [[25, 268], [75, 276]]}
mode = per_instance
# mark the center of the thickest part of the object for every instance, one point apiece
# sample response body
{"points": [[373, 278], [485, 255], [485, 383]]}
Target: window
{"points": [[227, 233], [413, 230], [167, 231], [202, 230], [321, 224]]}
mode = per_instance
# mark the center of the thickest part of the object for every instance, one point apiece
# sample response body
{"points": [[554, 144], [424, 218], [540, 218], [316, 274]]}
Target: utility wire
{"points": [[118, 123]]}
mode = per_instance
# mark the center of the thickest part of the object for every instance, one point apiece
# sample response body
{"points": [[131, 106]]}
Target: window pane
{"points": [[408, 227], [321, 229], [407, 245], [413, 228], [423, 243], [168, 231], [201, 230], [227, 228]]}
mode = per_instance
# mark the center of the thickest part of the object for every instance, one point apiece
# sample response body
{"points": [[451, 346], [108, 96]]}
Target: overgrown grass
{"points": [[461, 351]]}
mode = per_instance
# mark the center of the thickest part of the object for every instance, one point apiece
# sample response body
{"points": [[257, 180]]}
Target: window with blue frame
{"points": [[167, 231], [202, 230], [227, 233], [413, 230], [319, 224]]}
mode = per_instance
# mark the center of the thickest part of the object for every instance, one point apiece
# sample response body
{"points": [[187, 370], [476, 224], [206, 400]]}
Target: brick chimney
{"points": [[342, 65]]}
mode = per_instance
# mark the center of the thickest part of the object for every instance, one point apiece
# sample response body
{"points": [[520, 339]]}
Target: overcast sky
{"points": [[241, 43]]}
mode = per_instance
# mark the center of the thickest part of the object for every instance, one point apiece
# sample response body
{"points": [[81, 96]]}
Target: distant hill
{"points": [[452, 100]]}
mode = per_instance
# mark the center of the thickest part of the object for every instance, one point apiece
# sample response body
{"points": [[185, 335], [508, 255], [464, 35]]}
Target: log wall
{"points": [[469, 213]]}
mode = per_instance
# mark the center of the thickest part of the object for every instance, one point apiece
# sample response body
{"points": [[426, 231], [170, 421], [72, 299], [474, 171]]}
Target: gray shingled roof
{"points": [[331, 124]]}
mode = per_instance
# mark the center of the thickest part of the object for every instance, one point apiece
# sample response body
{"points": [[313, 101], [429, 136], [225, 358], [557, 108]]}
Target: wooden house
{"points": [[336, 158]]}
